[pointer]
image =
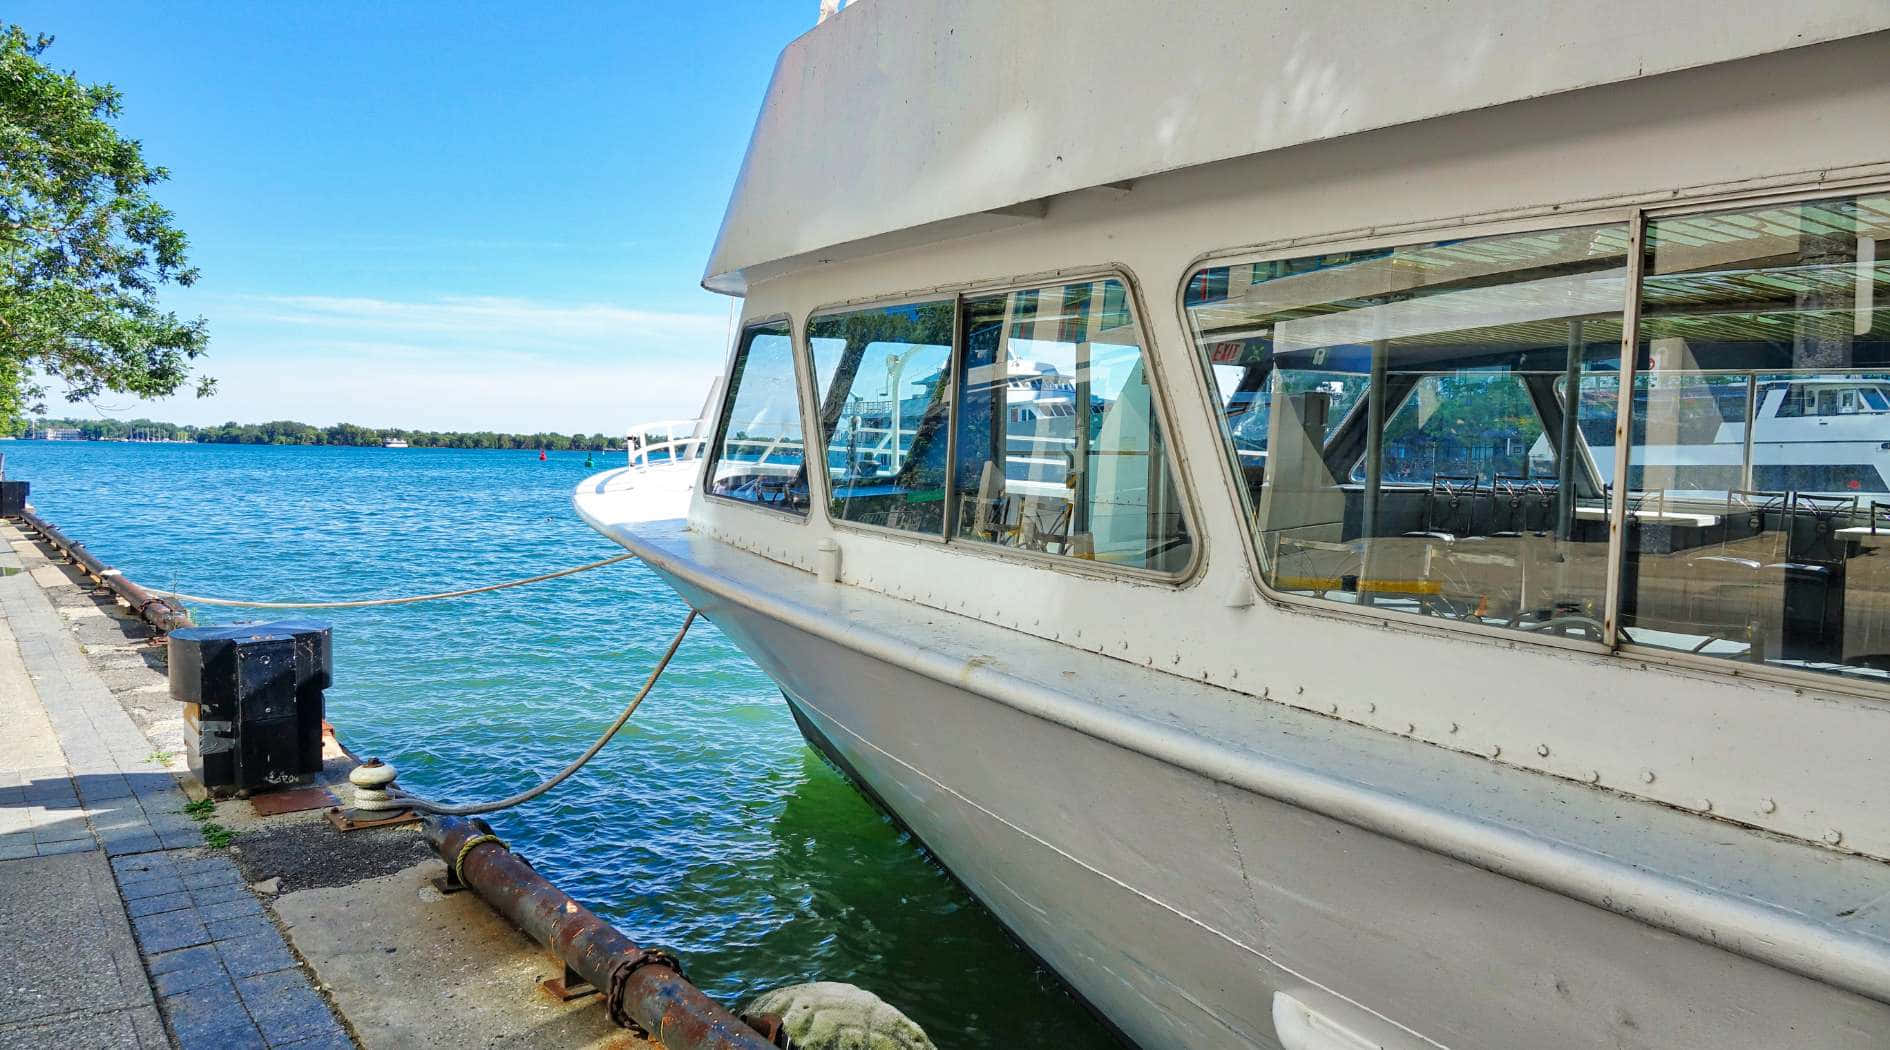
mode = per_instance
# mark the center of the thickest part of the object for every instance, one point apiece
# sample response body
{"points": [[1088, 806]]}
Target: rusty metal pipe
{"points": [[160, 613], [653, 995]]}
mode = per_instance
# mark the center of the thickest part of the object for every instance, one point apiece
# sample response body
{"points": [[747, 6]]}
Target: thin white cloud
{"points": [[488, 319]]}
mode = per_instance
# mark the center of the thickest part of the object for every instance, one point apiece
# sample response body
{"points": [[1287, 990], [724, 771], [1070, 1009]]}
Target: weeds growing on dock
{"points": [[215, 835]]}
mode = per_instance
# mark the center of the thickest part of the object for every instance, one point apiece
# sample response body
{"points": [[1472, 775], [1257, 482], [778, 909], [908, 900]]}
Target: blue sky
{"points": [[466, 216]]}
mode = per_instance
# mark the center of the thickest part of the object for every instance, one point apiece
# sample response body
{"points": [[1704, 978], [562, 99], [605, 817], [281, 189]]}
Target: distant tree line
{"points": [[288, 432]]}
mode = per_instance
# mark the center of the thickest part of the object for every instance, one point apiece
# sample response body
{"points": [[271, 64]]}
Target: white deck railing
{"points": [[677, 441]]}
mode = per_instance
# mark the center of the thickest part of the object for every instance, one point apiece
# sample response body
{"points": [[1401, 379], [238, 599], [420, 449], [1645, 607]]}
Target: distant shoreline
{"points": [[287, 432]]}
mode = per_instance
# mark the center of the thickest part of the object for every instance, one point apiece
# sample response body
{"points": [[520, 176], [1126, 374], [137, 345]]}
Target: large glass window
{"points": [[1059, 448], [1401, 421], [884, 378], [759, 454], [1759, 462]]}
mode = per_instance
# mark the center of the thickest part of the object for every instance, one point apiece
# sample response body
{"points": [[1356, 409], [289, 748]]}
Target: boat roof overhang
{"points": [[897, 123]]}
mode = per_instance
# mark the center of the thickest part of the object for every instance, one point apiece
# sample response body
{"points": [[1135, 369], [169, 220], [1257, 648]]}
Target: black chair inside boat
{"points": [[1639, 501], [1520, 503], [1725, 584], [1815, 523], [1809, 579], [1753, 515], [1879, 517], [1450, 507]]}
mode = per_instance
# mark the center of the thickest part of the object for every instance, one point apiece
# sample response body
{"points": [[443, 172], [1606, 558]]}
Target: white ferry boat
{"points": [[1453, 607]]}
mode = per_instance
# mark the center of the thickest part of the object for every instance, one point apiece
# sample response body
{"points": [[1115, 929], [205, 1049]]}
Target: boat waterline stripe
{"points": [[1788, 940]]}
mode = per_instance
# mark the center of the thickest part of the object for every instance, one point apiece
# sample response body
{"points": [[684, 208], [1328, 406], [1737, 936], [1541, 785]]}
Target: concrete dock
{"points": [[122, 925]]}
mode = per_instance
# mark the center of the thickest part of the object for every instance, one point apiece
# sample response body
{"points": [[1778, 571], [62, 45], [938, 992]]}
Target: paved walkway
{"points": [[112, 912]]}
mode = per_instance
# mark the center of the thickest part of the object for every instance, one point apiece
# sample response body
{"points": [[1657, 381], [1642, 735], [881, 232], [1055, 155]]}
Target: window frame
{"points": [[958, 292], [951, 407], [1635, 214], [1300, 247], [1815, 681], [723, 411]]}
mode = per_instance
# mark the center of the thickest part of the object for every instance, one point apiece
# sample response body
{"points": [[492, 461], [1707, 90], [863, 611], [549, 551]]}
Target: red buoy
{"points": [[541, 455]]}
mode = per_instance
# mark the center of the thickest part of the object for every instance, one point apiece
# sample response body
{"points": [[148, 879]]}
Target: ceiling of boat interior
{"points": [[897, 122]]}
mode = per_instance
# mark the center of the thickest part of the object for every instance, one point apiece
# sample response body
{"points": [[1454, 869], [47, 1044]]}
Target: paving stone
{"points": [[174, 824], [46, 816], [53, 849], [190, 978], [151, 788], [232, 927], [62, 833], [236, 907], [133, 844], [285, 1008], [100, 787], [169, 930], [249, 956], [115, 804], [181, 839], [206, 879], [135, 867], [163, 902], [210, 1015], [338, 1041], [150, 886], [186, 958], [123, 821], [229, 891], [208, 864]]}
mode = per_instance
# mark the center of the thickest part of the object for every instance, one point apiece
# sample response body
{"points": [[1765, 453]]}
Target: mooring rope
{"points": [[401, 799], [368, 602]]}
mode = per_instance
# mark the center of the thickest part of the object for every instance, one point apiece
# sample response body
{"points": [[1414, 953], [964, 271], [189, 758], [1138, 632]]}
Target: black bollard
{"points": [[255, 690]]}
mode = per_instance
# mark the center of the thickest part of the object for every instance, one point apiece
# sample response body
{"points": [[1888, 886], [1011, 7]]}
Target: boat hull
{"points": [[1178, 906]]}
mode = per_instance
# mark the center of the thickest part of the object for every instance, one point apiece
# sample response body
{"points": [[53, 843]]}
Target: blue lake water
{"points": [[707, 826]]}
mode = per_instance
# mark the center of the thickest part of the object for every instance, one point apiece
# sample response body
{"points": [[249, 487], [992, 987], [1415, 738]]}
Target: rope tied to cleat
{"points": [[364, 603]]}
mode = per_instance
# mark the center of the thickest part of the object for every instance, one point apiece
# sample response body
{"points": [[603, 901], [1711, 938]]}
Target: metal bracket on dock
{"points": [[447, 883], [571, 985], [345, 821]]}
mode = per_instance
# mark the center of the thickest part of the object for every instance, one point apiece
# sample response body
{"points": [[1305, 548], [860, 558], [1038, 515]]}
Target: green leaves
{"points": [[84, 247]]}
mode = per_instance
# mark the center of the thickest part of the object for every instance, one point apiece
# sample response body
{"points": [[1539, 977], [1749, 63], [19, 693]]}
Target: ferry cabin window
{"points": [[1759, 462], [883, 378], [1058, 447], [759, 455], [1400, 421]]}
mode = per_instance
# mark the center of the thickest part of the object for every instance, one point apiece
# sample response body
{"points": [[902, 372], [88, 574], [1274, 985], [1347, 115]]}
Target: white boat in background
{"points": [[1820, 434], [1303, 679], [394, 443]]}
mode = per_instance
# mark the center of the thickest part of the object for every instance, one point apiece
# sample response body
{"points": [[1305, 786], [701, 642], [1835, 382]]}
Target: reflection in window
{"points": [[1399, 420], [759, 456], [882, 375], [1761, 436], [1059, 449]]}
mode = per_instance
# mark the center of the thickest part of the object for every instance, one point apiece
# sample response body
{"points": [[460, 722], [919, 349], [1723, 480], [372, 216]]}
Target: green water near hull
{"points": [[708, 826]]}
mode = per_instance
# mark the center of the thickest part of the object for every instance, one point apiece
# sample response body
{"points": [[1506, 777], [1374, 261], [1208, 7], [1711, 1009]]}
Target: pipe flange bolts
{"points": [[373, 782]]}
